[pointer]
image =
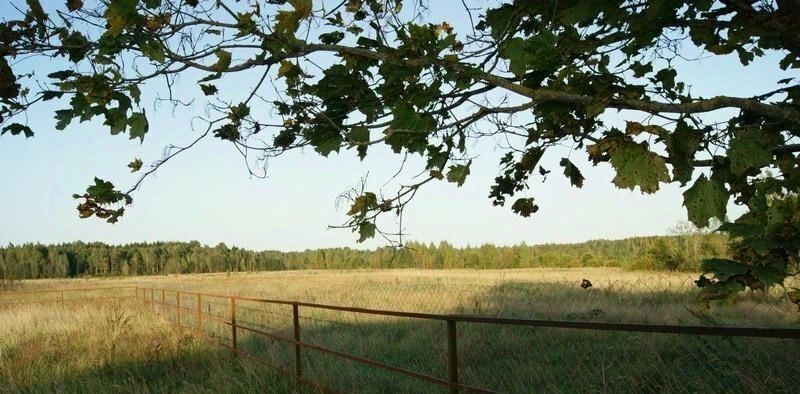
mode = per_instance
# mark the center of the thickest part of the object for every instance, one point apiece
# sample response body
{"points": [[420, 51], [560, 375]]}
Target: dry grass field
{"points": [[84, 348]]}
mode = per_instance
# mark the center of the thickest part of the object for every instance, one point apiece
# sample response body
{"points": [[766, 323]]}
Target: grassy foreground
{"points": [[116, 347], [507, 359]]}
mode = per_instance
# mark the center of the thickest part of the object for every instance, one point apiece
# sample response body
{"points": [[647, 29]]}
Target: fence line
{"points": [[148, 295], [62, 299], [452, 382]]}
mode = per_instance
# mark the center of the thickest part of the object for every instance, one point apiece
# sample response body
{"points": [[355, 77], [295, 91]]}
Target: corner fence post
{"points": [[199, 317], [178, 309], [233, 323], [452, 354], [298, 369]]}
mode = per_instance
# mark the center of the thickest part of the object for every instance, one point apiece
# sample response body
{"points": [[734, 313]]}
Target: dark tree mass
{"points": [[539, 76], [34, 261]]}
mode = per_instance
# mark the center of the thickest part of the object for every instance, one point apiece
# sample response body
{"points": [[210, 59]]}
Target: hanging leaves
{"points": [[706, 199], [572, 172], [458, 173], [135, 165]]}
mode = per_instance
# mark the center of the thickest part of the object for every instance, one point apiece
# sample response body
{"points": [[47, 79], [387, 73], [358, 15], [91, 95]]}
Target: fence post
{"points": [[296, 321], [233, 322], [153, 299], [62, 298], [163, 300], [452, 354], [199, 317], [178, 309]]}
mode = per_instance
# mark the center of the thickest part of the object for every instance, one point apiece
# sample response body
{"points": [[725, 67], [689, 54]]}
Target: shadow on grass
{"points": [[501, 358], [523, 359], [132, 354]]}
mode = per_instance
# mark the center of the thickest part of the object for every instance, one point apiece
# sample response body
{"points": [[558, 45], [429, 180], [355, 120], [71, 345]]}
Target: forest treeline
{"points": [[79, 259]]}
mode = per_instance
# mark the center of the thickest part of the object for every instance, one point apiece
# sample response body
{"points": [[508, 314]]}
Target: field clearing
{"points": [[507, 359], [115, 346]]}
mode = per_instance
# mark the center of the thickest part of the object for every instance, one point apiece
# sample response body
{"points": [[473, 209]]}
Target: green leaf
{"points": [[524, 207], [366, 230], [74, 5], [228, 132], [135, 92], [63, 117], [325, 138], [63, 74], [285, 138], [747, 151], [667, 78], [36, 11], [208, 89], [135, 165], [637, 166], [138, 125], [572, 173], [742, 229], [706, 199], [103, 192], [681, 148], [154, 50], [458, 173], [16, 129], [117, 120], [723, 269], [358, 135], [768, 276], [76, 46], [537, 53], [331, 38], [501, 20]]}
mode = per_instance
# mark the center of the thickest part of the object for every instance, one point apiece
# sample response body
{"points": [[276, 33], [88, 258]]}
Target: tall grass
{"points": [[507, 359], [115, 347]]}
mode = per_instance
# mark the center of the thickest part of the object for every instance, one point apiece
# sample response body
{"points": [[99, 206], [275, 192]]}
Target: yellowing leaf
{"points": [[135, 165], [223, 60], [285, 68], [302, 8]]}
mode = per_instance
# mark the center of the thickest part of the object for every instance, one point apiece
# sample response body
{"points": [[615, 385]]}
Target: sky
{"points": [[207, 195]]}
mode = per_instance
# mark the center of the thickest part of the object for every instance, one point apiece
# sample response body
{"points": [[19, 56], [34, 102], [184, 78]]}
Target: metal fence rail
{"points": [[59, 295], [158, 297]]}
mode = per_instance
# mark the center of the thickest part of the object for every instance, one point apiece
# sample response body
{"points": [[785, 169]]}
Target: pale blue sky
{"points": [[207, 194]]}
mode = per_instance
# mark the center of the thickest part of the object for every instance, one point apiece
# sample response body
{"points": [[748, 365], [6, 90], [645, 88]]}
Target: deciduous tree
{"points": [[353, 74]]}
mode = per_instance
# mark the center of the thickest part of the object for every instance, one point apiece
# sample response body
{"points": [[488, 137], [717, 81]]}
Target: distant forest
{"points": [[78, 259]]}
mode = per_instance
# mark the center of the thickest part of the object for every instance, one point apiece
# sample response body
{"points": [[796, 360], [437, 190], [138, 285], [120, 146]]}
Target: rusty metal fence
{"points": [[450, 327], [63, 296], [202, 309]]}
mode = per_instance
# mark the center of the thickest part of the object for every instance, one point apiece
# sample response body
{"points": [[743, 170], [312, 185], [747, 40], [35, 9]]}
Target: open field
{"points": [[114, 346], [508, 359]]}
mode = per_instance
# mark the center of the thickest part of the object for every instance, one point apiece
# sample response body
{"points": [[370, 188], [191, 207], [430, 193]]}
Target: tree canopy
{"points": [[73, 260], [352, 74]]}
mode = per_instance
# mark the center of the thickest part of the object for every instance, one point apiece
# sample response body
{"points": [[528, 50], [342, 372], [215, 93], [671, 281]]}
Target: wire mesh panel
{"points": [[352, 349], [555, 359]]}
